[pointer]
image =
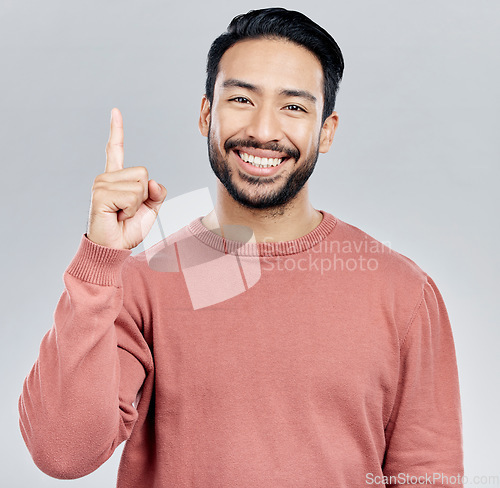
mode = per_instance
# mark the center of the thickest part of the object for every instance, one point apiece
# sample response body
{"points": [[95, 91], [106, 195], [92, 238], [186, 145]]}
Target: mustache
{"points": [[292, 153]]}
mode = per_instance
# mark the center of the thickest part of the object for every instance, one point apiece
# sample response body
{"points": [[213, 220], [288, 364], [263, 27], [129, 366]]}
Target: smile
{"points": [[260, 162]]}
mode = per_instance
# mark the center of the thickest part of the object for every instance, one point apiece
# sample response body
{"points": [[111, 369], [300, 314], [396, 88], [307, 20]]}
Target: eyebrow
{"points": [[286, 92]]}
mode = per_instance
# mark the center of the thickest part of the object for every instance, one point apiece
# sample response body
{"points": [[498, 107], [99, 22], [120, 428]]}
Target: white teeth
{"points": [[260, 162]]}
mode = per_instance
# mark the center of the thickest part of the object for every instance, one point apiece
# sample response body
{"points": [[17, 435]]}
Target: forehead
{"points": [[273, 64]]}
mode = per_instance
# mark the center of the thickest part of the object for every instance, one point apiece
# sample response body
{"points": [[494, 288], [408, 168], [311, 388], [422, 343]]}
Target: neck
{"points": [[290, 221]]}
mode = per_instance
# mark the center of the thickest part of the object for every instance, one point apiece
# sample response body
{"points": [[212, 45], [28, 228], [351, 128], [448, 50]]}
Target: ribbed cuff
{"points": [[98, 264]]}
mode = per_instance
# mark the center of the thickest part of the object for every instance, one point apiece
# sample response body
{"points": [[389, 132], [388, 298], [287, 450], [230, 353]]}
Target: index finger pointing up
{"points": [[114, 148]]}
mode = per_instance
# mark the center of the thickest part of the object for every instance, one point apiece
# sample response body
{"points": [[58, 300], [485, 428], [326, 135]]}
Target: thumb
{"points": [[146, 217], [156, 194]]}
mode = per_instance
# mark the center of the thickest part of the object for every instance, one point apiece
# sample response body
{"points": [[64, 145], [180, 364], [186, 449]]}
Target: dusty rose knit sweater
{"points": [[334, 368]]}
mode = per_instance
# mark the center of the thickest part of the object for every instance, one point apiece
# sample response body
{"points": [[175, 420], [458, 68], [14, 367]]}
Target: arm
{"points": [[424, 433], [77, 402]]}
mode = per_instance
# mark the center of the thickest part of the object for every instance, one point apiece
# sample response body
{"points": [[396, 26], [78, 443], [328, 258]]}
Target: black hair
{"points": [[276, 23]]}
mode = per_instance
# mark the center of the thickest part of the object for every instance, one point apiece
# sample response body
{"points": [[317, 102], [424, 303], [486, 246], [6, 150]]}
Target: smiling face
{"points": [[264, 126]]}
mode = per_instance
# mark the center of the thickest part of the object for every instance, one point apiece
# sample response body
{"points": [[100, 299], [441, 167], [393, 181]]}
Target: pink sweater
{"points": [[335, 368]]}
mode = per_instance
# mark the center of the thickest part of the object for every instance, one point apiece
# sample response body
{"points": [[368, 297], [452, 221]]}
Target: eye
{"points": [[240, 100], [295, 108]]}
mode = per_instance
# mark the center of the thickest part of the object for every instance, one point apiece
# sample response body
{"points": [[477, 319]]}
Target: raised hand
{"points": [[124, 202]]}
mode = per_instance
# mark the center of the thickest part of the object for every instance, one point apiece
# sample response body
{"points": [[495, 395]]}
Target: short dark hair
{"points": [[275, 23]]}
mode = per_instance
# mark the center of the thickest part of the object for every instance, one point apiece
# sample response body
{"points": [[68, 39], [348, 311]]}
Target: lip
{"points": [[253, 170]]}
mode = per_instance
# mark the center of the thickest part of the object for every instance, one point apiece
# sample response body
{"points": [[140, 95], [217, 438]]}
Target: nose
{"points": [[264, 125]]}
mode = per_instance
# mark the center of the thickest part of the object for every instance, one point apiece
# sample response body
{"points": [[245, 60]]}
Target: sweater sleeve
{"points": [[78, 401], [424, 432]]}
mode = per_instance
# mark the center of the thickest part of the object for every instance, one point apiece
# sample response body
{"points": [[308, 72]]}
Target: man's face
{"points": [[266, 111]]}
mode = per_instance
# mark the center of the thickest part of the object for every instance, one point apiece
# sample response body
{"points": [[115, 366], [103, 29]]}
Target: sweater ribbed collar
{"points": [[280, 248]]}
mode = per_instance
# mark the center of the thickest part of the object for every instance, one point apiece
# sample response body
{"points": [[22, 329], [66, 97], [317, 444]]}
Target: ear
{"points": [[204, 121], [328, 131]]}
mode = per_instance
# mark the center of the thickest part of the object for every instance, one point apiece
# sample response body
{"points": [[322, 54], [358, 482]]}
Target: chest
{"points": [[325, 344]]}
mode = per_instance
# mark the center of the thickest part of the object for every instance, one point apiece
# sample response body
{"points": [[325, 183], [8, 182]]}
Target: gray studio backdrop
{"points": [[414, 161]]}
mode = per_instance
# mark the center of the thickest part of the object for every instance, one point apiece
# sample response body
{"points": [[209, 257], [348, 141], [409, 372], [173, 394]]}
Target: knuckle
{"points": [[111, 145], [97, 194], [97, 182], [143, 172], [138, 188], [132, 198]]}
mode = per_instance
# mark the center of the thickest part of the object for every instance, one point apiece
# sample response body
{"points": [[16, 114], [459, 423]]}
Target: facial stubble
{"points": [[278, 196]]}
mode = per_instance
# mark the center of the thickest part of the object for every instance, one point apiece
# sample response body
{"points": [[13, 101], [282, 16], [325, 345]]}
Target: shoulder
{"points": [[355, 240], [392, 278], [384, 267]]}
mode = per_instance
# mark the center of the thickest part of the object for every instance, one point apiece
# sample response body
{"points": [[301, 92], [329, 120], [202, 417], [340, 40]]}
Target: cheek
{"points": [[303, 135], [214, 131], [226, 126]]}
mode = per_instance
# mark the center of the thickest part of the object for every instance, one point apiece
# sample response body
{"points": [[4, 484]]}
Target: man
{"points": [[335, 368]]}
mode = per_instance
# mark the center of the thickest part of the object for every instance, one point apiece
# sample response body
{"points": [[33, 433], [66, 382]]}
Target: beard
{"points": [[261, 192]]}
